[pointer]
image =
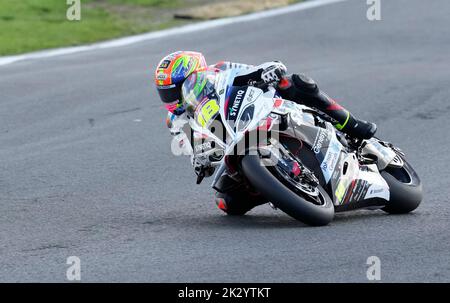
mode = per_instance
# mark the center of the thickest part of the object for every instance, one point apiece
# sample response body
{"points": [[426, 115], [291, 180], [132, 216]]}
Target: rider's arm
{"points": [[180, 144]]}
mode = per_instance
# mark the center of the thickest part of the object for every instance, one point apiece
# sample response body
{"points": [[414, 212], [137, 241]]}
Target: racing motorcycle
{"points": [[293, 156]]}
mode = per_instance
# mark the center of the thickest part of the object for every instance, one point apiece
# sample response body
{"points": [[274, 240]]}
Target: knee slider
{"points": [[304, 83]]}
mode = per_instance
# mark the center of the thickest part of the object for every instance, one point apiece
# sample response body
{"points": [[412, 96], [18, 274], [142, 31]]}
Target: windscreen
{"points": [[200, 98]]}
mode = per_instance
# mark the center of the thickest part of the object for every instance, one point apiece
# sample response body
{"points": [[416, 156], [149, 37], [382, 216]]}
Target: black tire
{"points": [[285, 199], [405, 189]]}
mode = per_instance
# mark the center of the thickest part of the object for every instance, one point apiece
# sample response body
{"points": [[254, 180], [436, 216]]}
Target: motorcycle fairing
{"points": [[359, 183], [239, 110], [349, 182]]}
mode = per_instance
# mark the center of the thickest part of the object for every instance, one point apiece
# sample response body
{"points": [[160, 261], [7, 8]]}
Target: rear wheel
{"points": [[310, 205], [405, 189]]}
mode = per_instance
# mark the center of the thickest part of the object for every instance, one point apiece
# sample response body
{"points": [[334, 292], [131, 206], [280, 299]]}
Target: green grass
{"points": [[153, 3], [29, 25]]}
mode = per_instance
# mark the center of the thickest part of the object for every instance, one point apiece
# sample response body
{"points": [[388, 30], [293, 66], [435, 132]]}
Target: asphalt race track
{"points": [[86, 168]]}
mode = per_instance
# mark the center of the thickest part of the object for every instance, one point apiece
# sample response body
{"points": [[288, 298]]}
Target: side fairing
{"points": [[348, 181], [328, 150], [362, 184]]}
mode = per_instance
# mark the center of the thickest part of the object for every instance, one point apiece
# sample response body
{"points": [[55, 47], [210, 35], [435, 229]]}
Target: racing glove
{"points": [[273, 71], [268, 72], [202, 167]]}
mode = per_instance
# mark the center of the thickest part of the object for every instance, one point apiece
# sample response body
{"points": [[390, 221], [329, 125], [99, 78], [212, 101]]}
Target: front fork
{"points": [[278, 155]]}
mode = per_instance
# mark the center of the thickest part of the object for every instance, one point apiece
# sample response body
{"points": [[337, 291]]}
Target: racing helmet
{"points": [[171, 72]]}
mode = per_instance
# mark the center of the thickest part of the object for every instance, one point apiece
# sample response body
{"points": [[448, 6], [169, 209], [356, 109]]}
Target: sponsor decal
{"points": [[237, 103], [331, 157], [376, 186], [329, 161], [376, 191], [250, 95], [360, 190], [161, 76], [203, 146], [165, 64], [340, 191], [319, 141], [166, 86]]}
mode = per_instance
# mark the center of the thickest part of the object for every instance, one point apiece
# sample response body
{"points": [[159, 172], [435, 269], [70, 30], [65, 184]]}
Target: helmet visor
{"points": [[169, 93], [198, 86]]}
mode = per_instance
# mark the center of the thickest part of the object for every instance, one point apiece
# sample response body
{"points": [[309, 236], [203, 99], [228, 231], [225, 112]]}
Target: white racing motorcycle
{"points": [[292, 156]]}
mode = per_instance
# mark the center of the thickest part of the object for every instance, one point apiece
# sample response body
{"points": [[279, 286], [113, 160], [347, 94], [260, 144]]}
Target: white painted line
{"points": [[168, 32]]}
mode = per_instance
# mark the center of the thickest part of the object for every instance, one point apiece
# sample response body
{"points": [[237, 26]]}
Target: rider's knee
{"points": [[298, 88], [304, 83]]}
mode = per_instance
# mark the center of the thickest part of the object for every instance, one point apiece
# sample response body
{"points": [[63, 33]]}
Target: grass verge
{"points": [[30, 25]]}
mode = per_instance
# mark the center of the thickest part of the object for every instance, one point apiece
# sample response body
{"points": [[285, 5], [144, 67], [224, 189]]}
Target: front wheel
{"points": [[315, 211]]}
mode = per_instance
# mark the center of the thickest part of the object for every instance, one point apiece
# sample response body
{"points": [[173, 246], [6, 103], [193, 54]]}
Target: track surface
{"points": [[86, 167]]}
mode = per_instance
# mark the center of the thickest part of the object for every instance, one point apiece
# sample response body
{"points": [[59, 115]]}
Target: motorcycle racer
{"points": [[176, 68]]}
